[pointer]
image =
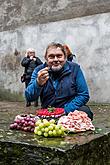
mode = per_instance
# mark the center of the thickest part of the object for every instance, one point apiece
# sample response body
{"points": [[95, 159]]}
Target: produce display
{"points": [[76, 121], [48, 128], [44, 123], [50, 112]]}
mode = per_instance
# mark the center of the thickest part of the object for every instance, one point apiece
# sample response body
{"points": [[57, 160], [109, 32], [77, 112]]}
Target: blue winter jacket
{"points": [[69, 90]]}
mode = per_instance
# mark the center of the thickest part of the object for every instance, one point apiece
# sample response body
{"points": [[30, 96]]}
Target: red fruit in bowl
{"points": [[50, 112]]}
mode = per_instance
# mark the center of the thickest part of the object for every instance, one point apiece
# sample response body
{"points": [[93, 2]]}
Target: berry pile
{"points": [[50, 112], [24, 122], [48, 128]]}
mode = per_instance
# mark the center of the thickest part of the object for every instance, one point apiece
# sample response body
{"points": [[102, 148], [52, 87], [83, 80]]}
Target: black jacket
{"points": [[30, 65]]}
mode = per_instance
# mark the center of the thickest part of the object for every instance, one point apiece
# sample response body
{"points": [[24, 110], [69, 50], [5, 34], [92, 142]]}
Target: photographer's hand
{"points": [[31, 57], [34, 58]]}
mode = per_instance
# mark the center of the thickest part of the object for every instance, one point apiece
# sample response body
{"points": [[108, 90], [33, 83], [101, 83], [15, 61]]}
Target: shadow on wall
{"points": [[11, 62], [6, 95]]}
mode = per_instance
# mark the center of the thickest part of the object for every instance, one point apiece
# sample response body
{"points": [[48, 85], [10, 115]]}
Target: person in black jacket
{"points": [[30, 62]]}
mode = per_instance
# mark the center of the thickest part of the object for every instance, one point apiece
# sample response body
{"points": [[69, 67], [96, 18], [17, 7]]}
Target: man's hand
{"points": [[43, 76]]}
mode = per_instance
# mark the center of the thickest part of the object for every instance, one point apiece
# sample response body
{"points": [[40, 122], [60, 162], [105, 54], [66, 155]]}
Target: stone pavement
{"points": [[22, 148]]}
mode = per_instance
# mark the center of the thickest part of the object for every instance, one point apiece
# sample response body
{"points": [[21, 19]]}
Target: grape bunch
{"points": [[48, 128], [24, 123]]}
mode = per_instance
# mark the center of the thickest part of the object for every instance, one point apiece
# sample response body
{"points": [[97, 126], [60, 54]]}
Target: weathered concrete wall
{"points": [[16, 13], [88, 37]]}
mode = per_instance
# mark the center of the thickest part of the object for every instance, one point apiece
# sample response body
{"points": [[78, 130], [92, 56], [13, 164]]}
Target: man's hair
{"points": [[55, 45]]}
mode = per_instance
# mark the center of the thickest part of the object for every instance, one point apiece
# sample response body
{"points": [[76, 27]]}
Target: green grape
{"points": [[46, 123], [52, 121], [57, 127], [59, 132], [43, 129], [50, 133], [41, 125], [63, 128], [45, 134], [54, 133], [39, 133], [46, 129], [36, 130], [53, 125], [38, 122], [50, 127], [44, 120]]}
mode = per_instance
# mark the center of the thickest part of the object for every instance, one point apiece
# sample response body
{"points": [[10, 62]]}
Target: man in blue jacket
{"points": [[59, 83]]}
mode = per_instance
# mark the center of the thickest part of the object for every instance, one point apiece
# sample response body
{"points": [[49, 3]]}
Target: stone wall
{"points": [[36, 23], [21, 12]]}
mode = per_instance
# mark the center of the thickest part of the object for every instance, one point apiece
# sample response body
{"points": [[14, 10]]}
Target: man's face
{"points": [[55, 58]]}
